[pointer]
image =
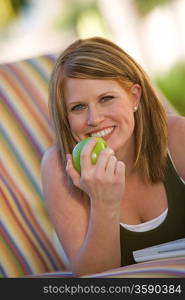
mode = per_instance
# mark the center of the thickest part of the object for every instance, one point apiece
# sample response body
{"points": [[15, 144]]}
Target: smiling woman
{"points": [[105, 110], [98, 90], [98, 59]]}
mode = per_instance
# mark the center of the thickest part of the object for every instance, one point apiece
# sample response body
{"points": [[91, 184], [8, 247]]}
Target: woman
{"points": [[134, 197]]}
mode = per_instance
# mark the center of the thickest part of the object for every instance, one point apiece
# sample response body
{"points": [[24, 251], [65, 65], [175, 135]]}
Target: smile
{"points": [[102, 133]]}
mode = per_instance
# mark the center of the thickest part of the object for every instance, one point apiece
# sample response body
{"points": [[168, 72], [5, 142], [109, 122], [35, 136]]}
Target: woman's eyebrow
{"points": [[74, 102], [107, 92]]}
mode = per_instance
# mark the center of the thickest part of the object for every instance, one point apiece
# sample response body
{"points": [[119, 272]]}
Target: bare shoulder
{"points": [[52, 175], [176, 140], [50, 159], [52, 172], [67, 208], [54, 180]]}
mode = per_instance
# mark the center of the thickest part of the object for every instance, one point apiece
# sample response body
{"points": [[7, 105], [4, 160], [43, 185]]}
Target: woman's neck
{"points": [[127, 155]]}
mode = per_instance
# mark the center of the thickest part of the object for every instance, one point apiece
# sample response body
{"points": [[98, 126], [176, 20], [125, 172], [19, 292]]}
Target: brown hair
{"points": [[98, 58]]}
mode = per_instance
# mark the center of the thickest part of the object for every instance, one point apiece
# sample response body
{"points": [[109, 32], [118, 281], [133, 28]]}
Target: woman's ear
{"points": [[136, 94]]}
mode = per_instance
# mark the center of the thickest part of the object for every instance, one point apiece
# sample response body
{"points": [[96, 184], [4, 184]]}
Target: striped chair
{"points": [[26, 232]]}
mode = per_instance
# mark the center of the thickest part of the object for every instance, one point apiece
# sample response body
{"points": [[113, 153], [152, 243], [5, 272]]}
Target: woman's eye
{"points": [[106, 98], [78, 107]]}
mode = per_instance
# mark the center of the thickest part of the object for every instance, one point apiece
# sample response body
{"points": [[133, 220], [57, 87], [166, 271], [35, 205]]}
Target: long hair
{"points": [[99, 58]]}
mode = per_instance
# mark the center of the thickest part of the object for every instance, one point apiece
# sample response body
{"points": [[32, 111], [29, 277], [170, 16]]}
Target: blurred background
{"points": [[151, 31]]}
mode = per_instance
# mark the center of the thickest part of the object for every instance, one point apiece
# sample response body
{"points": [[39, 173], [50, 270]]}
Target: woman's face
{"points": [[102, 108]]}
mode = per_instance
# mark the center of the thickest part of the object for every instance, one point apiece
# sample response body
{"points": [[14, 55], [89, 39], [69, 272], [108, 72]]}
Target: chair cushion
{"points": [[26, 133]]}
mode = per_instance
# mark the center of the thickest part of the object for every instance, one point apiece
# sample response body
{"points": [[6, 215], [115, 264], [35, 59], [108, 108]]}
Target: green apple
{"points": [[100, 144]]}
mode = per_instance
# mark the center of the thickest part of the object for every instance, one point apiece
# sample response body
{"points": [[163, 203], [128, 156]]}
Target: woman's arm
{"points": [[89, 233]]}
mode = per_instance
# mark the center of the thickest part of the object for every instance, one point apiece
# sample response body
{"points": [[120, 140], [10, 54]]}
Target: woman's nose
{"points": [[94, 117]]}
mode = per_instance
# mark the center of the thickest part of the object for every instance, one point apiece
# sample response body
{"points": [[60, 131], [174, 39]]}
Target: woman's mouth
{"points": [[105, 133]]}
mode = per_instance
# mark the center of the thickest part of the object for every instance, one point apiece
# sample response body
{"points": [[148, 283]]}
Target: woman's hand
{"points": [[104, 181]]}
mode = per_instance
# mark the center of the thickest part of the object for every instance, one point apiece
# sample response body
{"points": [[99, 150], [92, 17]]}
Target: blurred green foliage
{"points": [[19, 4], [9, 9], [146, 6], [172, 85], [74, 11]]}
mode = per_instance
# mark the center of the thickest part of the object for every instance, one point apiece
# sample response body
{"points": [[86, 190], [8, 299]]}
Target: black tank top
{"points": [[172, 228]]}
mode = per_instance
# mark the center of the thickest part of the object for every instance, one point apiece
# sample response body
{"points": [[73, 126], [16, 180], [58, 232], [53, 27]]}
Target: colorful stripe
{"points": [[16, 102], [26, 231], [12, 255], [34, 228], [22, 225], [11, 150]]}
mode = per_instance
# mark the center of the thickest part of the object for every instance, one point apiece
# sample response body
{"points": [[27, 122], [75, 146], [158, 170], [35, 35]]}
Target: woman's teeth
{"points": [[102, 133]]}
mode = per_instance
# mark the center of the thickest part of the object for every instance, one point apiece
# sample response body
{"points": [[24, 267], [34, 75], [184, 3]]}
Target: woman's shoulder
{"points": [[176, 142], [176, 131], [50, 162], [51, 154]]}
